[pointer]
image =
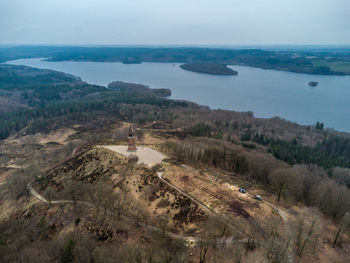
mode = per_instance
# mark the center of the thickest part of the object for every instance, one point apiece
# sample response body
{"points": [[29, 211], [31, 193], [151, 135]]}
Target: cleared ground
{"points": [[146, 155]]}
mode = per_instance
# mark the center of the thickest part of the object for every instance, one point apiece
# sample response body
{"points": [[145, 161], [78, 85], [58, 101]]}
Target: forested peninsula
{"points": [[209, 68]]}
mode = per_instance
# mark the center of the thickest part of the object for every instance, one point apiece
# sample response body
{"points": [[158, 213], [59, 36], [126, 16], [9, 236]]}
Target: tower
{"points": [[131, 139]]}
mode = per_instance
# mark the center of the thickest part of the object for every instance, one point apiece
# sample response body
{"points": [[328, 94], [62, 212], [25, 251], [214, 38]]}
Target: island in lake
{"points": [[313, 83], [209, 68]]}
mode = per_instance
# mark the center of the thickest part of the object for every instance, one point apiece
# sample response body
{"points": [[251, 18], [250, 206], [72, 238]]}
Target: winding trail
{"points": [[282, 214], [188, 239], [44, 200], [143, 224]]}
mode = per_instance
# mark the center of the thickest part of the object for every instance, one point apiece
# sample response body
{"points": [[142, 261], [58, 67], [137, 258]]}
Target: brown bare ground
{"points": [[59, 136], [146, 155], [221, 197]]}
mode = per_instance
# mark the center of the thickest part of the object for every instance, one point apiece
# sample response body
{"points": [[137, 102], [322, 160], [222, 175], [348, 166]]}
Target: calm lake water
{"points": [[267, 93]]}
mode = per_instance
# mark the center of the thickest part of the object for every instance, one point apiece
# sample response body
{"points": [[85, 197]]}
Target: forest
{"points": [[209, 68], [44, 94]]}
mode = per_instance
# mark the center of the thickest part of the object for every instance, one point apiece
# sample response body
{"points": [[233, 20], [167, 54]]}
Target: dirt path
{"points": [[143, 224], [187, 239], [159, 174], [74, 151], [282, 214], [159, 157], [44, 200]]}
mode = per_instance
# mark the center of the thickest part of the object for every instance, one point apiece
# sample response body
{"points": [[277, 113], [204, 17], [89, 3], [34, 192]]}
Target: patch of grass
{"points": [[338, 66]]}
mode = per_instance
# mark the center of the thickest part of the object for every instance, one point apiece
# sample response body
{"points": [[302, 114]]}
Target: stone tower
{"points": [[131, 139]]}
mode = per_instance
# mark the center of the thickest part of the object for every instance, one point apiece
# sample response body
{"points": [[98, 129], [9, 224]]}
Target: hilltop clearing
{"points": [[145, 155]]}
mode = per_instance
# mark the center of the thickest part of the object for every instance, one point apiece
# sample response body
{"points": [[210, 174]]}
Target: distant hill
{"points": [[327, 62], [209, 68]]}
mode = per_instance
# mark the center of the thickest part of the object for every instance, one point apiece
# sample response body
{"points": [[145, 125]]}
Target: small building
{"points": [[131, 140]]}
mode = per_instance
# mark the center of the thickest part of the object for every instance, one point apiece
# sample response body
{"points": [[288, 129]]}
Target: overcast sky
{"points": [[175, 22]]}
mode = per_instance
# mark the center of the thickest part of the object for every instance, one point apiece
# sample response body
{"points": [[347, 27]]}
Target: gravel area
{"points": [[146, 155]]}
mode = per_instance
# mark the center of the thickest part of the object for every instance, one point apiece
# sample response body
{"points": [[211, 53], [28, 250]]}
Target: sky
{"points": [[175, 22]]}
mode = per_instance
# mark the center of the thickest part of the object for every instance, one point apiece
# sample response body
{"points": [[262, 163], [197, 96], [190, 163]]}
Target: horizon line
{"points": [[155, 44]]}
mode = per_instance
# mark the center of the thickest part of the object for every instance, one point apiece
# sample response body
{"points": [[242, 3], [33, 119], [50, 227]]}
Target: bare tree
{"points": [[276, 240], [212, 237], [18, 182], [279, 180], [204, 243], [122, 204], [306, 233], [74, 191], [49, 194], [344, 224], [138, 213], [254, 232], [162, 222], [132, 161], [332, 199]]}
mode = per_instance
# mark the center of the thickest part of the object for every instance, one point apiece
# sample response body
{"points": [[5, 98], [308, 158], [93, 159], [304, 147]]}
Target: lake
{"points": [[267, 93]]}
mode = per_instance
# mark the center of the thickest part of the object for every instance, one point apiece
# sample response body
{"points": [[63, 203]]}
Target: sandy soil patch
{"points": [[220, 197], [146, 155], [59, 136], [2, 179]]}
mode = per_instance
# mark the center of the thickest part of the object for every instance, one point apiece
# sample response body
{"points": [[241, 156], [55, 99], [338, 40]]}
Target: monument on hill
{"points": [[131, 140]]}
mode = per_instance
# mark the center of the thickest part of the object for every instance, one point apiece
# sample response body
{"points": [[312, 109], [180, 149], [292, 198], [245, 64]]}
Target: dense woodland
{"points": [[45, 93]]}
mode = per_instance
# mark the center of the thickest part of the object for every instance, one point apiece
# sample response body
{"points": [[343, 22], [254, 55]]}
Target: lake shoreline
{"points": [[331, 73], [268, 93]]}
